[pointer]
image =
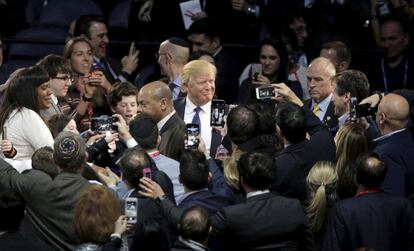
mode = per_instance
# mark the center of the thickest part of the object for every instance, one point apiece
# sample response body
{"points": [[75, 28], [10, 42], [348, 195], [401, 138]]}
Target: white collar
{"points": [[191, 106], [255, 193], [54, 99], [389, 135], [162, 122], [218, 51], [343, 119], [323, 105]]}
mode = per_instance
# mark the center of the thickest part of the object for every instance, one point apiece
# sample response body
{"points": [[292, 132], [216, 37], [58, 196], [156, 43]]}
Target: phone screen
{"points": [[192, 133], [4, 134], [217, 112], [131, 209], [265, 92], [256, 70], [147, 172]]}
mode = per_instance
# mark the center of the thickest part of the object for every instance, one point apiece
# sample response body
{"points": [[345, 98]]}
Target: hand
{"points": [[285, 93], [222, 130], [6, 146], [111, 137], [202, 147], [373, 100], [150, 188], [144, 13], [261, 80], [92, 139], [196, 16], [97, 78], [107, 176], [123, 128], [120, 225], [130, 62], [240, 5]]}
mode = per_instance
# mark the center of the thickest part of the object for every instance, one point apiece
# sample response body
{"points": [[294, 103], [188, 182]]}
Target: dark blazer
{"points": [[16, 242], [330, 120], [397, 151], [168, 130], [376, 221], [295, 161], [227, 81], [179, 106], [263, 222]]}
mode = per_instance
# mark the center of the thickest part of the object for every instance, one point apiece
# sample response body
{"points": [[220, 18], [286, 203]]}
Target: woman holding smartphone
{"points": [[273, 68], [27, 93]]}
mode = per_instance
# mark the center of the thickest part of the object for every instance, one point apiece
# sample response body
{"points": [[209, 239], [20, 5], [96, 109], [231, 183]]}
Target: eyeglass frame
{"points": [[66, 78]]}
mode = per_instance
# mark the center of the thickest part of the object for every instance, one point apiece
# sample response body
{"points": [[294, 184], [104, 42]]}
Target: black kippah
{"points": [[179, 41]]}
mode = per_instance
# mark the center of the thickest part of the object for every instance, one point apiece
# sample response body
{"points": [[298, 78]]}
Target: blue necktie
{"points": [[196, 118]]}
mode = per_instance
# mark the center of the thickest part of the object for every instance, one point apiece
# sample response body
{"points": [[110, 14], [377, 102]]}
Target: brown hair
{"points": [[95, 214], [68, 49]]}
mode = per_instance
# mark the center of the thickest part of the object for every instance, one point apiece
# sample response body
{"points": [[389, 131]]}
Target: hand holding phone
{"points": [[265, 92], [147, 173], [217, 112], [192, 133], [131, 210]]}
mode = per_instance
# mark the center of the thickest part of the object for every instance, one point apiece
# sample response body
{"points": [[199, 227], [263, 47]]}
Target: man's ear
{"points": [[113, 109], [347, 97], [158, 140], [216, 42], [343, 66], [163, 104]]}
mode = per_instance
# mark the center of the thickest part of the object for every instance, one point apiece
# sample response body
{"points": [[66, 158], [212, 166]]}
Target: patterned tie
{"points": [[196, 118], [316, 110]]}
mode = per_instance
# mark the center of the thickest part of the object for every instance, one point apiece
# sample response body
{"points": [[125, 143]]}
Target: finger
{"points": [[132, 48]]}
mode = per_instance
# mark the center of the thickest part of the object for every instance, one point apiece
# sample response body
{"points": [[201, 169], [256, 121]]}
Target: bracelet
{"points": [[87, 99]]}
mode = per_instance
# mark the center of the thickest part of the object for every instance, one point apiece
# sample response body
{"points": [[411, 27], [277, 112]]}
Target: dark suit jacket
{"points": [[377, 220], [330, 120], [16, 242], [179, 106], [295, 161], [227, 81], [263, 222], [397, 151], [168, 131]]}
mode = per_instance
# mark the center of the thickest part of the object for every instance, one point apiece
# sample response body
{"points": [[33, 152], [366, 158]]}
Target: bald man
{"points": [[172, 55], [396, 145], [155, 99], [319, 74]]}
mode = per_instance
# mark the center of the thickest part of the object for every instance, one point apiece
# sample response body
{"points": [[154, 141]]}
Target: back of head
{"points": [[206, 26], [95, 214], [83, 24], [354, 82], [149, 236], [57, 123], [322, 182], [132, 164], [119, 90], [178, 48], [242, 124], [370, 170], [195, 224], [144, 131], [54, 64], [12, 208], [194, 170], [42, 159], [291, 120], [257, 170], [69, 152], [396, 110]]}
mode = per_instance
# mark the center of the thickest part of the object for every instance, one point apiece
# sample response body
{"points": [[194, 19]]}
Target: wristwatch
{"points": [[87, 99]]}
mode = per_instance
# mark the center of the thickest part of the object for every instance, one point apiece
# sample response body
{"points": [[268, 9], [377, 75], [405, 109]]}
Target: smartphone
{"points": [[102, 124], [147, 172], [4, 134], [352, 109], [256, 70], [217, 112], [95, 67], [192, 133], [364, 110], [131, 209], [265, 92]]}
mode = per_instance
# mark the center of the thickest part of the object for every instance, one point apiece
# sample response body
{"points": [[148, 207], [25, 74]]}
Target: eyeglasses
{"points": [[66, 78], [158, 55]]}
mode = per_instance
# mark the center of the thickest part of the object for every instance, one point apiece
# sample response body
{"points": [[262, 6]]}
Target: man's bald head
{"points": [[155, 99], [393, 112], [178, 49]]}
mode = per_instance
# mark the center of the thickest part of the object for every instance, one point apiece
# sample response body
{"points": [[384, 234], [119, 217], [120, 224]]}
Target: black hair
{"points": [[354, 82], [149, 235], [291, 120], [54, 64], [242, 124], [343, 54], [280, 47], [257, 169], [194, 170], [12, 207], [206, 26], [198, 54], [195, 224], [132, 164], [179, 42], [83, 24], [144, 130], [42, 159], [370, 170], [119, 90]]}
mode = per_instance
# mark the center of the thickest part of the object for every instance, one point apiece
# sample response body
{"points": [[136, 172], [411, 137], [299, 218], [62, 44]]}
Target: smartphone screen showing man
{"points": [[217, 112]]}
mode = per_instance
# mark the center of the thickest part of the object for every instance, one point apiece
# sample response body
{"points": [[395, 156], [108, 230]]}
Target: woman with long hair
{"points": [[351, 141], [322, 182], [20, 123]]}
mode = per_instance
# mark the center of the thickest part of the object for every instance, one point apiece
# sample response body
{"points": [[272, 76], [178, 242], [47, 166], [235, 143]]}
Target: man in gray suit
{"points": [[50, 202]]}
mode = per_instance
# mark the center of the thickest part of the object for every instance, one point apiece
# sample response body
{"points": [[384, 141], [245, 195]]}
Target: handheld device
{"points": [[256, 70], [217, 112], [102, 124], [131, 209], [192, 133], [147, 172], [352, 111], [4, 134], [364, 110], [265, 92]]}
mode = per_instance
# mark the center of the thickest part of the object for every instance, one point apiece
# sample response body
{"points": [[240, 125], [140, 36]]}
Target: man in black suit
{"points": [[198, 81], [95, 29], [373, 219], [265, 221], [203, 35], [294, 120], [319, 74], [155, 99]]}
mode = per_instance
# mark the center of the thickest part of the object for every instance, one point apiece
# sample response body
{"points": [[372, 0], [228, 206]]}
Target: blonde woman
{"points": [[351, 142], [322, 182], [231, 174]]}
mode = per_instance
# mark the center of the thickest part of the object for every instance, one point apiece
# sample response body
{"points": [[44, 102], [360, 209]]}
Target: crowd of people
{"points": [[312, 155]]}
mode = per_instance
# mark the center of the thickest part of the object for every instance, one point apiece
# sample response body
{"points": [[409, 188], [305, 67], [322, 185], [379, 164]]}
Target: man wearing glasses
{"points": [[59, 71]]}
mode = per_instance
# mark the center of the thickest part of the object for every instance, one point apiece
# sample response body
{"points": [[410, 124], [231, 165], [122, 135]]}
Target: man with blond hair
{"points": [[198, 81]]}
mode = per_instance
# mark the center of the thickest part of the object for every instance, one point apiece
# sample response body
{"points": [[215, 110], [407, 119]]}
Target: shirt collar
{"points": [[190, 106], [323, 105], [54, 99], [388, 135], [162, 122], [255, 193], [343, 119], [218, 51], [177, 81]]}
